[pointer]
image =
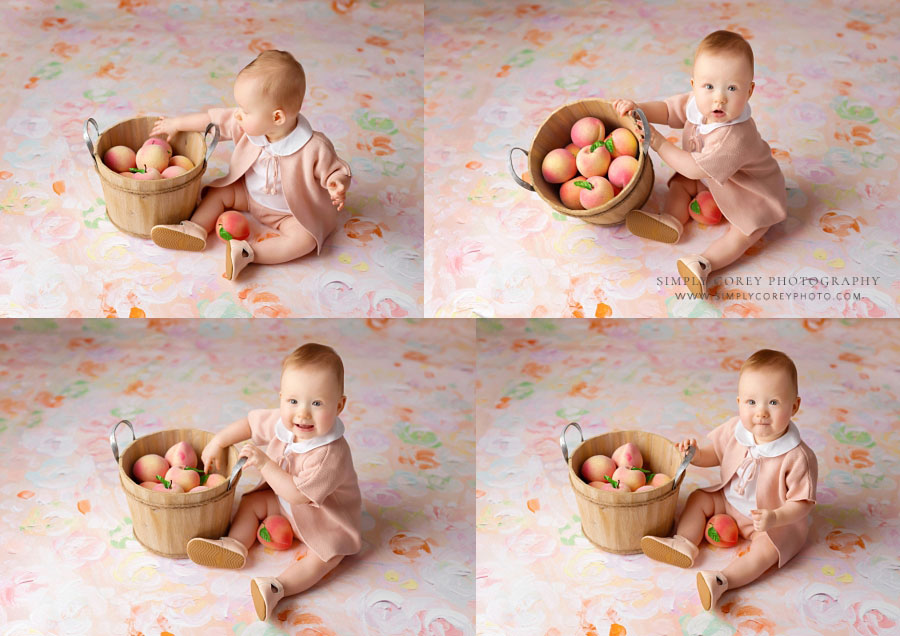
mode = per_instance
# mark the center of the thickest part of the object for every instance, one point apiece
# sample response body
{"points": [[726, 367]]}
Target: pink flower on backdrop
{"points": [[54, 228]]}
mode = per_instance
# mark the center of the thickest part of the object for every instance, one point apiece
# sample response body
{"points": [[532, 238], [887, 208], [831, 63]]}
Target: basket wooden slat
{"points": [[556, 131], [616, 521], [134, 207], [164, 522]]}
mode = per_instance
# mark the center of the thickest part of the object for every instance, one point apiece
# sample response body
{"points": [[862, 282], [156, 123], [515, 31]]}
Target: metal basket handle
{"points": [[87, 137], [237, 469], [112, 436], [512, 169], [688, 456], [645, 144], [215, 140], [562, 439]]}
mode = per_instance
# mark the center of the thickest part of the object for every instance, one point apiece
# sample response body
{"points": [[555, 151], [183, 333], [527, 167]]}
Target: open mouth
{"points": [[305, 427], [718, 113]]}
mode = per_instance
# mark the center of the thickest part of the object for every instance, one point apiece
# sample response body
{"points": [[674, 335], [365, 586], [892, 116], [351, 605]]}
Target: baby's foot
{"points": [[266, 592], [694, 269], [710, 587], [226, 552], [238, 254], [187, 235], [676, 550], [661, 227]]}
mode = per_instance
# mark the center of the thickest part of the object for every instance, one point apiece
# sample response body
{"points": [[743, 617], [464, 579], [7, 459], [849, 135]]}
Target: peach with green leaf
{"points": [[275, 532]]}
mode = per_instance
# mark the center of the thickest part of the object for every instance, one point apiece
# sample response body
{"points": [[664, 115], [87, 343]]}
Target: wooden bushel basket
{"points": [[133, 206], [616, 521], [164, 522], [556, 131]]}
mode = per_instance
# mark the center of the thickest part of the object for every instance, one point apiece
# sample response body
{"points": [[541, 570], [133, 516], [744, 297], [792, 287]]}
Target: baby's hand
{"points": [[683, 445], [208, 456], [255, 456], [763, 519], [337, 191], [624, 106], [164, 126]]}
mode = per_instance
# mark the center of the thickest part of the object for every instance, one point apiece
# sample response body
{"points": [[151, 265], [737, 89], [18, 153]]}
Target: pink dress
{"points": [[744, 178], [330, 524], [790, 476]]}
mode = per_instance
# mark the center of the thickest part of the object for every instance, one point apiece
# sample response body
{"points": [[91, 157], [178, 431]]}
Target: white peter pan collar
{"points": [[306, 445], [791, 439], [696, 117], [288, 144]]}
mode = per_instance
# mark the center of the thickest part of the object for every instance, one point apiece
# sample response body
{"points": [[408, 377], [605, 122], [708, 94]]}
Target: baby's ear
{"points": [[752, 84]]}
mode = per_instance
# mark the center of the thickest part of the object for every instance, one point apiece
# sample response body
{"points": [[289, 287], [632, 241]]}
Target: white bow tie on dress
{"points": [[304, 446], [755, 452], [696, 117]]}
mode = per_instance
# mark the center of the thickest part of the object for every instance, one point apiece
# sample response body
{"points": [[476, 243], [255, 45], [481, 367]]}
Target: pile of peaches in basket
{"points": [[623, 472], [153, 160]]}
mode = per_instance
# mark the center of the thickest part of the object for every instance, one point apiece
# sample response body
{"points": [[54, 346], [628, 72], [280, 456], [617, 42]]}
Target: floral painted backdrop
{"points": [[63, 62], [825, 100], [538, 575], [70, 562]]}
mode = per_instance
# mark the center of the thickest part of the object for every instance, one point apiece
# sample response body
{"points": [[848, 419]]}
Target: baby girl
{"points": [[768, 481], [722, 153], [307, 478], [285, 174]]}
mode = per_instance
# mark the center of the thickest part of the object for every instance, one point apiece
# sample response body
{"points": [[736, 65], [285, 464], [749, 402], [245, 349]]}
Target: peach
{"points": [[570, 194], [198, 488], [181, 454], [628, 455], [573, 149], [119, 158], [596, 467], [173, 171], [184, 477], [152, 156], [214, 480], [660, 479], [147, 467], [617, 486], [621, 143], [634, 479], [622, 170], [558, 166], [146, 175], [645, 488], [275, 532], [721, 530], [127, 174], [704, 209], [586, 131], [232, 225], [168, 486], [593, 160], [599, 193], [149, 484], [162, 143], [181, 160]]}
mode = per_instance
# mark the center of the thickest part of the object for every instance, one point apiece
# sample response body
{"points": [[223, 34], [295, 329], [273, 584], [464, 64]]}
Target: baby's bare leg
{"points": [[681, 191], [699, 508], [253, 508], [216, 201], [753, 564], [292, 243], [731, 246], [303, 574]]}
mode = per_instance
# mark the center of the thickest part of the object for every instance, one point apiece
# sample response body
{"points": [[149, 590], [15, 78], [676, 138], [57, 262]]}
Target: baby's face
{"points": [[722, 85], [766, 402], [255, 114], [310, 400]]}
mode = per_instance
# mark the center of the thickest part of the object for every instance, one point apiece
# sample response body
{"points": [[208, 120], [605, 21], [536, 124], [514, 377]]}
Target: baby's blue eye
{"points": [[707, 86], [292, 401], [732, 88], [317, 403], [751, 402], [773, 402]]}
